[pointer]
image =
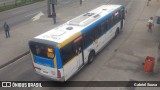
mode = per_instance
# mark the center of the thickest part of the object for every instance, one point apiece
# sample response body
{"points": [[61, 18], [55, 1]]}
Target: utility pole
{"points": [[80, 2], [49, 8], [53, 9], [53, 14], [51, 4]]}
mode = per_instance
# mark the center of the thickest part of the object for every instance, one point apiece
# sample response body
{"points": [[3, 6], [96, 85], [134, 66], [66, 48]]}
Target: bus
{"points": [[62, 51]]}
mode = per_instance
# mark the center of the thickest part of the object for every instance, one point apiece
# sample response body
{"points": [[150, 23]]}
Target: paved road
{"points": [[121, 60]]}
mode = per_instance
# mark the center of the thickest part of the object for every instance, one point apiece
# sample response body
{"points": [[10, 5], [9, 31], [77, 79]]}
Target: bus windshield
{"points": [[42, 50]]}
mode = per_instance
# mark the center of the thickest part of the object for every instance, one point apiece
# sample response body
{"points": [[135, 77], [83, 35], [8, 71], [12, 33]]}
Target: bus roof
{"points": [[76, 25]]}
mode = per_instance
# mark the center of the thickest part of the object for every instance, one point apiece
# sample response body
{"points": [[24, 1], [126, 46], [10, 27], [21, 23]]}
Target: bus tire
{"points": [[121, 27], [159, 45], [117, 32], [91, 57]]}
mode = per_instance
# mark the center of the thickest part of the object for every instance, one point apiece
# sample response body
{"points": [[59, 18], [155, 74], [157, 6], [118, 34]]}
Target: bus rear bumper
{"points": [[62, 79]]}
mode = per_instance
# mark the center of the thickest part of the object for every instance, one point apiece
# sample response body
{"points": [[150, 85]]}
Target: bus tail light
{"points": [[58, 74]]}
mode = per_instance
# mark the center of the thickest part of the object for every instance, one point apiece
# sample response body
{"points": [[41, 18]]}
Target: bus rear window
{"points": [[42, 50]]}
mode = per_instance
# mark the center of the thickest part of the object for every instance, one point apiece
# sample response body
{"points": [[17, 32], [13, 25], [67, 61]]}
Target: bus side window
{"points": [[88, 38], [103, 27], [67, 53], [78, 45], [97, 32], [109, 22], [116, 17], [113, 20], [123, 13], [106, 25]]}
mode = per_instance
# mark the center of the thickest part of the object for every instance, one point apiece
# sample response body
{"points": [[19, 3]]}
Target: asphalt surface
{"points": [[121, 60]]}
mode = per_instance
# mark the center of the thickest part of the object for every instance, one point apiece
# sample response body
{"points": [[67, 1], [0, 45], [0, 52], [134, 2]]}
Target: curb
{"points": [[13, 60]]}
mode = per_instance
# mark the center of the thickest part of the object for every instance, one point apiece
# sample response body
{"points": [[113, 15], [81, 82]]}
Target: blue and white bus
{"points": [[61, 52]]}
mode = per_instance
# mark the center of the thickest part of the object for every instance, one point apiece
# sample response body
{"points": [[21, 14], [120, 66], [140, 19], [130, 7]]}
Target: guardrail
{"points": [[10, 4]]}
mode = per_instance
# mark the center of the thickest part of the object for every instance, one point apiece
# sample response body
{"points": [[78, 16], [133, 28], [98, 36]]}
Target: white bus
{"points": [[61, 52]]}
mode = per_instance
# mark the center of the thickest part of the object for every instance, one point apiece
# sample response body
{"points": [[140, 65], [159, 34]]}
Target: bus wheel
{"points": [[91, 57], [117, 32], [159, 45], [121, 24]]}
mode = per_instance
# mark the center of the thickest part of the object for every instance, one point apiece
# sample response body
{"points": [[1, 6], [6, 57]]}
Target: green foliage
{"points": [[16, 3]]}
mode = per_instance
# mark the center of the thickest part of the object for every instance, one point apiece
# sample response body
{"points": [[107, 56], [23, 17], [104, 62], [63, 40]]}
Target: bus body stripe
{"points": [[32, 56], [99, 21], [55, 62], [70, 39], [43, 61], [58, 58], [59, 46]]}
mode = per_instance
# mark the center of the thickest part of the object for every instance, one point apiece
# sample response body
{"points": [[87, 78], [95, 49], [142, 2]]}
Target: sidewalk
{"points": [[151, 38], [143, 44]]}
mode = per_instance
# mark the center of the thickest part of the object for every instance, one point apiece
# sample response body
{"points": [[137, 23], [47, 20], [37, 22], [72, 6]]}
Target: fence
{"points": [[9, 4]]}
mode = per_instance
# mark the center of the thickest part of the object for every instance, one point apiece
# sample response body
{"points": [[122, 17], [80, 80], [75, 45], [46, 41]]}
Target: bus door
{"points": [[78, 47]]}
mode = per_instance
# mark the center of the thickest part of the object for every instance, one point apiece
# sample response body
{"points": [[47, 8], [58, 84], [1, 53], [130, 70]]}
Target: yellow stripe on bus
{"points": [[69, 61], [69, 39], [31, 56], [55, 62], [59, 46]]}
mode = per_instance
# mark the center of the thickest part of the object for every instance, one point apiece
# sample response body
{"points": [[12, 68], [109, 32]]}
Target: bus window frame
{"points": [[72, 55], [40, 45]]}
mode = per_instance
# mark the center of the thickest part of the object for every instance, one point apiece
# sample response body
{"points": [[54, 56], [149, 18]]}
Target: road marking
{"points": [[37, 16], [31, 14]]}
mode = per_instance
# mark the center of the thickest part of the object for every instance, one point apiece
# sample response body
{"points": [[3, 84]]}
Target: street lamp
{"points": [[80, 2]]}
